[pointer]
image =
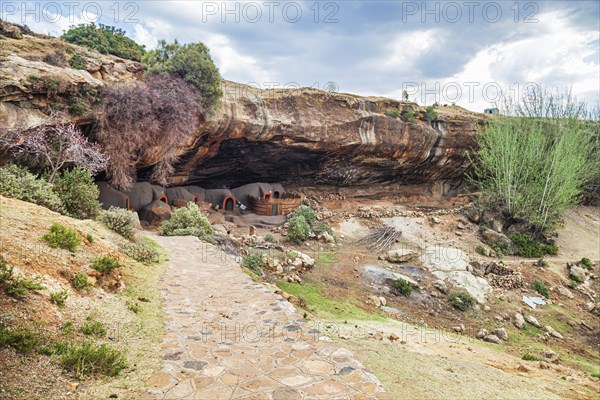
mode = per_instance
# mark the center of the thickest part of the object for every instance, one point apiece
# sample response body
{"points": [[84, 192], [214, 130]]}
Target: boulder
{"points": [[440, 285], [492, 339], [155, 212], [501, 333], [400, 255], [482, 333], [496, 239], [552, 332], [519, 321], [325, 237], [577, 273], [564, 292], [533, 321], [473, 215]]}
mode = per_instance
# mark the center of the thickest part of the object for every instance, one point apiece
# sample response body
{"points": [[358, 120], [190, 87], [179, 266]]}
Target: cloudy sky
{"points": [[445, 51]]}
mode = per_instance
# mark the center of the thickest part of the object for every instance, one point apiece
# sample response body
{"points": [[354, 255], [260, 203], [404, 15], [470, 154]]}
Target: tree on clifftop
{"points": [[191, 62]]}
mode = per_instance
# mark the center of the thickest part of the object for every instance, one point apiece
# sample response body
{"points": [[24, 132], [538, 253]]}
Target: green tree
{"points": [[192, 62], [104, 39]]}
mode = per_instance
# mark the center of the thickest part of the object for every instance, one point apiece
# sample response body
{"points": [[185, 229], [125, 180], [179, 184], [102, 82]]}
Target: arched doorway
{"points": [[164, 199], [229, 203], [276, 195], [268, 197]]}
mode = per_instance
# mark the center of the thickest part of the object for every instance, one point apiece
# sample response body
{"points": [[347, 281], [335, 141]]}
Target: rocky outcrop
{"points": [[298, 136]]}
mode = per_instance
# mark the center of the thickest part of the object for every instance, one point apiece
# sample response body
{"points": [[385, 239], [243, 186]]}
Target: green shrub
{"points": [[59, 297], [461, 300], [531, 357], [308, 214], [532, 169], [530, 248], [62, 237], [410, 115], [270, 238], [34, 78], [81, 282], [86, 359], [6, 272], [321, 228], [586, 262], [104, 39], [133, 306], [252, 262], [191, 62], [105, 264], [77, 61], [430, 114], [78, 108], [298, 229], [187, 220], [89, 238], [21, 287], [402, 287], [78, 193], [142, 252], [68, 327], [394, 113], [540, 287], [91, 327], [119, 220], [481, 250], [23, 338], [18, 183]]}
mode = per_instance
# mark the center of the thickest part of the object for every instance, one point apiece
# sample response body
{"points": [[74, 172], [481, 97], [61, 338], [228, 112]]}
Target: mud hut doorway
{"points": [[229, 204]]}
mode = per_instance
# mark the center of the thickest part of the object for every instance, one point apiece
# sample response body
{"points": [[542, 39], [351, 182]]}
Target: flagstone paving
{"points": [[227, 337]]}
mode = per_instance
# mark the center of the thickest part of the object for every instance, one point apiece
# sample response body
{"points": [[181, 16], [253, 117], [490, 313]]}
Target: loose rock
{"points": [[492, 339], [533, 321], [519, 321]]}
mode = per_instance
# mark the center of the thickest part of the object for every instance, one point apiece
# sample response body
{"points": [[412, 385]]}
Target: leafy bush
{"points": [[394, 113], [21, 287], [461, 300], [89, 238], [22, 338], [119, 220], [56, 58], [403, 287], [78, 193], [187, 220], [531, 357], [78, 108], [298, 229], [540, 287], [410, 115], [18, 183], [534, 168], [191, 62], [87, 359], [430, 114], [77, 61], [253, 262], [586, 262], [481, 250], [308, 214], [105, 264], [142, 252], [133, 306], [270, 238], [104, 39], [91, 327], [59, 297], [62, 237], [530, 248], [81, 282]]}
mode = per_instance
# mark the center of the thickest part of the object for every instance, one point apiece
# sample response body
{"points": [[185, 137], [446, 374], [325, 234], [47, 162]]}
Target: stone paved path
{"points": [[230, 338]]}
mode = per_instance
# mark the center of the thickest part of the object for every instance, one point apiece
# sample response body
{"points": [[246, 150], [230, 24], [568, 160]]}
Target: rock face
{"points": [[293, 136]]}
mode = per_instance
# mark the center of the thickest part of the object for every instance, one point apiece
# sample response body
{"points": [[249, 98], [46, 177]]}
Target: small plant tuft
{"points": [[142, 252], [59, 297], [586, 263], [531, 357], [89, 238], [298, 229], [403, 287], [91, 327], [252, 262], [270, 238], [21, 287], [87, 359], [461, 300], [530, 248], [540, 287], [81, 282], [23, 338], [105, 264], [62, 237], [119, 220]]}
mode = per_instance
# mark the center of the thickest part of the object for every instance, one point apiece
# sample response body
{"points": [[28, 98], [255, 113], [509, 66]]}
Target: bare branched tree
{"points": [[146, 121], [55, 144]]}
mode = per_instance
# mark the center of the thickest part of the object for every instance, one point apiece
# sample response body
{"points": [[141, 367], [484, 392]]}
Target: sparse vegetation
{"points": [[531, 248], [119, 220], [18, 286], [133, 306], [540, 287], [23, 338], [78, 108], [89, 238], [59, 297], [410, 115], [480, 249], [531, 357], [56, 58], [77, 61], [461, 300], [402, 287], [81, 281], [187, 220], [78, 193], [104, 39], [62, 237], [92, 327], [18, 183], [394, 113], [253, 262], [105, 264], [270, 238], [142, 251], [586, 263], [88, 359], [430, 114]]}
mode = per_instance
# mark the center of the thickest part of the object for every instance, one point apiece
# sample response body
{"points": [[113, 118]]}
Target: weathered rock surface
{"points": [[400, 255], [293, 136]]}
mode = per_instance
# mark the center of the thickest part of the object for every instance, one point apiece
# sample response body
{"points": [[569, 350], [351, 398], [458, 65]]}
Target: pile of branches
{"points": [[380, 240]]}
